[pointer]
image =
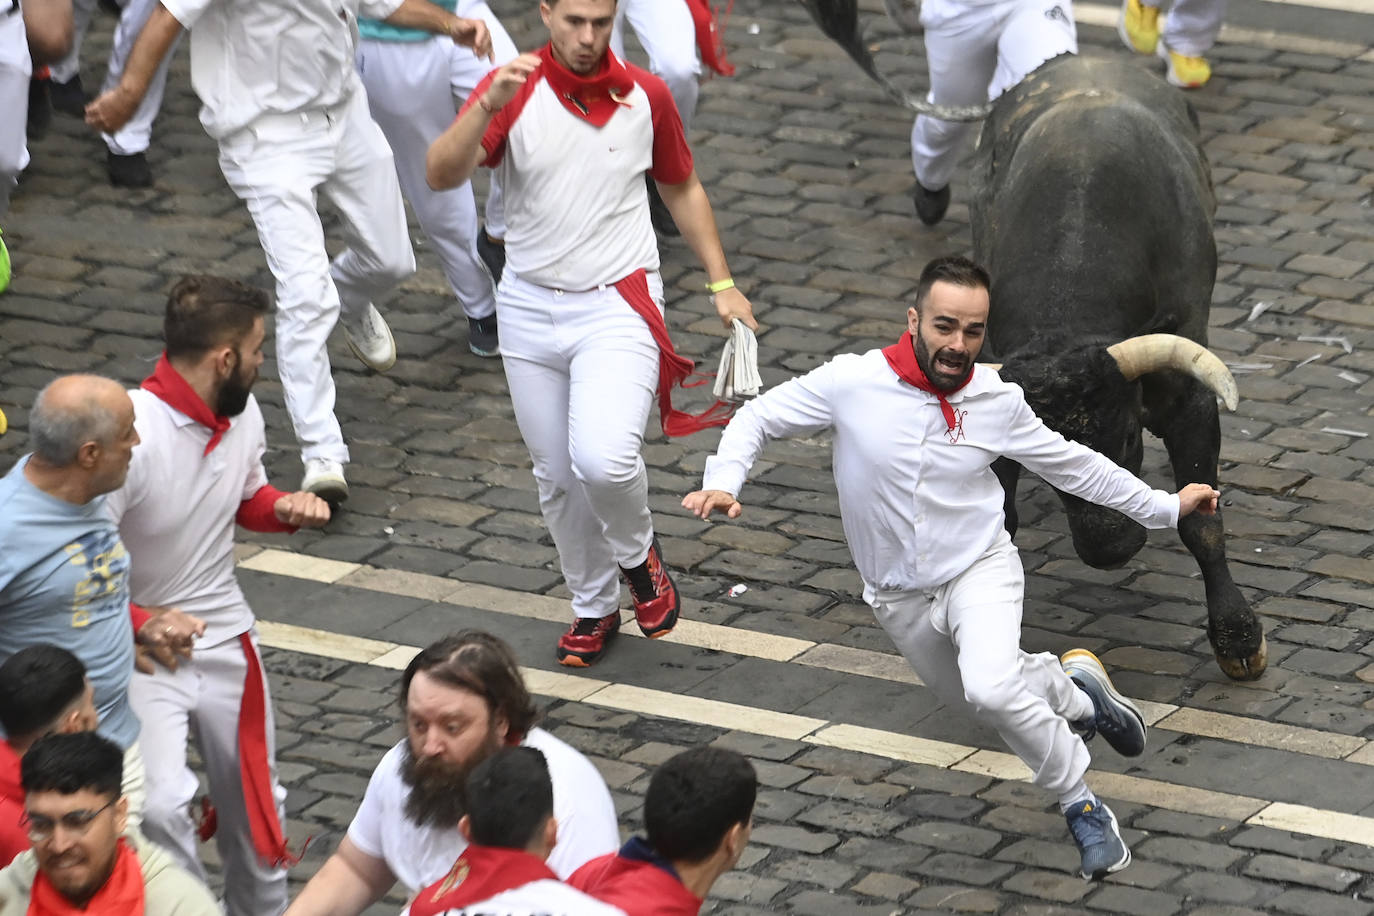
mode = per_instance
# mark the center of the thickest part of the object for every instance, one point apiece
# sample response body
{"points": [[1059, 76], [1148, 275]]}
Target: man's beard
{"points": [[437, 786], [232, 398], [938, 377]]}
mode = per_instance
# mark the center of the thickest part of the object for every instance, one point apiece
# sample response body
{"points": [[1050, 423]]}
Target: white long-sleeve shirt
{"points": [[919, 501]]}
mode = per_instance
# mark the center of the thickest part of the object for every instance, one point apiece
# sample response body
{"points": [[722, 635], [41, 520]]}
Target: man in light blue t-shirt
{"points": [[64, 573]]}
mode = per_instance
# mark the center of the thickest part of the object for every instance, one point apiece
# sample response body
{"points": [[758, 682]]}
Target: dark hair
{"points": [[952, 268], [510, 797], [37, 684], [70, 763], [477, 661], [208, 312], [694, 799]]}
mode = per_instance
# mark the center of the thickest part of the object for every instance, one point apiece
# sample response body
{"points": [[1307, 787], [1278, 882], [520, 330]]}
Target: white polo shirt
{"points": [[176, 512], [577, 208], [419, 856], [919, 502], [537, 898], [256, 57]]}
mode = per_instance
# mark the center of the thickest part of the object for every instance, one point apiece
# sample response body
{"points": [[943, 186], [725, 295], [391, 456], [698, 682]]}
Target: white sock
{"points": [[1075, 796]]}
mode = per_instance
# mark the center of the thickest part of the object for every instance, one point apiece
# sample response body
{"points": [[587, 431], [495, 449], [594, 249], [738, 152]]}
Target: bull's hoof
{"points": [[1246, 669]]}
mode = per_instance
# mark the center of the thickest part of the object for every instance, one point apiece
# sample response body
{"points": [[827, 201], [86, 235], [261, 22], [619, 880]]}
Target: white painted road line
{"points": [[1156, 793], [752, 644]]}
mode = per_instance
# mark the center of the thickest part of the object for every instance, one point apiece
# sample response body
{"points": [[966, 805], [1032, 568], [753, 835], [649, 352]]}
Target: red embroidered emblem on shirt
{"points": [[956, 432]]}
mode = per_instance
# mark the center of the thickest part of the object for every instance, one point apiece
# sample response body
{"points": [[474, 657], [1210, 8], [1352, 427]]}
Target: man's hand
{"points": [[731, 304], [169, 633], [471, 33], [302, 509], [112, 109], [703, 502], [1199, 497], [508, 80]]}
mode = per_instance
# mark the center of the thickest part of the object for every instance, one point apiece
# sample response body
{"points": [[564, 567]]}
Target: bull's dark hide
{"points": [[1092, 209]]}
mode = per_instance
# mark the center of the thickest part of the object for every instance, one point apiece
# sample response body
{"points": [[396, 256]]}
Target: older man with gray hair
{"points": [[64, 573]]}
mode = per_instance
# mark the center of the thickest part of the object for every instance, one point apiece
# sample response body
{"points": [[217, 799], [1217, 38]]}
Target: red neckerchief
{"points": [[480, 873], [710, 42], [592, 98], [121, 895], [674, 369], [901, 356], [167, 384]]}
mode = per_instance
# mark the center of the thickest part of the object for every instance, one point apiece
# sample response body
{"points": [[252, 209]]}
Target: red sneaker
{"points": [[654, 594], [586, 639]]}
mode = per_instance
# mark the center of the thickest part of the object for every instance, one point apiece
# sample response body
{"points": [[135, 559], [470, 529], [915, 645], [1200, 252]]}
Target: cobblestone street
{"points": [[1252, 798]]}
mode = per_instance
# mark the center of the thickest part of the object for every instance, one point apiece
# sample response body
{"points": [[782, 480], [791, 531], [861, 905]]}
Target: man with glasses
{"points": [[81, 862]]}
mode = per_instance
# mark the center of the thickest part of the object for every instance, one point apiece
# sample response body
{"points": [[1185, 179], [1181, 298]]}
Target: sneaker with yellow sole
{"points": [[1139, 26], [1183, 71]]}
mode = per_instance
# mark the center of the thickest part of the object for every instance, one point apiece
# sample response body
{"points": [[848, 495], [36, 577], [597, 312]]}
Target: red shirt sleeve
{"points": [[494, 139], [672, 156], [138, 617], [256, 512]]}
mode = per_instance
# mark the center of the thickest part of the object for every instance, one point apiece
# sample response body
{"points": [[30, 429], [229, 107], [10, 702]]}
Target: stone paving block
{"points": [[1295, 871], [1134, 901], [795, 838], [865, 821], [954, 899], [1315, 903], [952, 866], [1046, 885]]}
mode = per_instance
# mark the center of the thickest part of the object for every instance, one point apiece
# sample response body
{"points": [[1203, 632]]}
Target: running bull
{"points": [[1092, 209]]}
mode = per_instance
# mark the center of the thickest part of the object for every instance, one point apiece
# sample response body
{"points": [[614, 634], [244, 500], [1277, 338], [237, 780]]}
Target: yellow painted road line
{"points": [[892, 745], [753, 644]]}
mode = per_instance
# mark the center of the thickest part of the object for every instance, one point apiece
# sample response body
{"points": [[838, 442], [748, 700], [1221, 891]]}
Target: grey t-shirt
{"points": [[64, 580]]}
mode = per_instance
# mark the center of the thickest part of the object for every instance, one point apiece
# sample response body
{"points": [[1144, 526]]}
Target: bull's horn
{"points": [[1156, 352]]}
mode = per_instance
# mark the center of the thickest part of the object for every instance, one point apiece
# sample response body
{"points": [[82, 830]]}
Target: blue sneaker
{"points": [[1098, 838], [1115, 717]]}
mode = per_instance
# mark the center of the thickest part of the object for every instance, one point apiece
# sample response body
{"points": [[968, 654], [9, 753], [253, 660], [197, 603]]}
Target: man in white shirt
{"points": [[511, 830], [571, 133], [280, 94], [916, 427], [463, 699], [975, 51], [203, 439]]}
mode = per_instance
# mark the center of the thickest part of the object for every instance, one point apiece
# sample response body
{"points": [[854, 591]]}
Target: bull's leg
{"points": [[1008, 473], [1184, 414]]}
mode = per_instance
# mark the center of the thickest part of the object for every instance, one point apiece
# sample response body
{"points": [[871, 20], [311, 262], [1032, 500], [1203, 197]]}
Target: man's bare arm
{"points": [[113, 109], [456, 153], [692, 212], [430, 17], [349, 882], [48, 24]]}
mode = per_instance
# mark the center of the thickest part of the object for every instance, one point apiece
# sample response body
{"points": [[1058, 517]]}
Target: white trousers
{"points": [[963, 640], [276, 166], [666, 32], [135, 136], [414, 90], [200, 702], [583, 369], [1191, 27], [976, 52], [14, 101]]}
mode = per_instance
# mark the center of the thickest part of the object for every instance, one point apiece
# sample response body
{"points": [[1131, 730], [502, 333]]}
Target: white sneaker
{"points": [[325, 478], [370, 340]]}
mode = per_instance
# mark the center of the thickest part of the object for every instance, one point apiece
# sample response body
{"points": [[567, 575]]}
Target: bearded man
{"points": [[916, 428], [463, 699], [198, 473]]}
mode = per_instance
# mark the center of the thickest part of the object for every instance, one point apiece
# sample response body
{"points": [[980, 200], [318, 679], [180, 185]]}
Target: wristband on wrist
{"points": [[720, 286]]}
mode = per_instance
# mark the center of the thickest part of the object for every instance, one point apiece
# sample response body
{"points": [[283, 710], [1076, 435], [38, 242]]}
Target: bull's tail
{"points": [[839, 20]]}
